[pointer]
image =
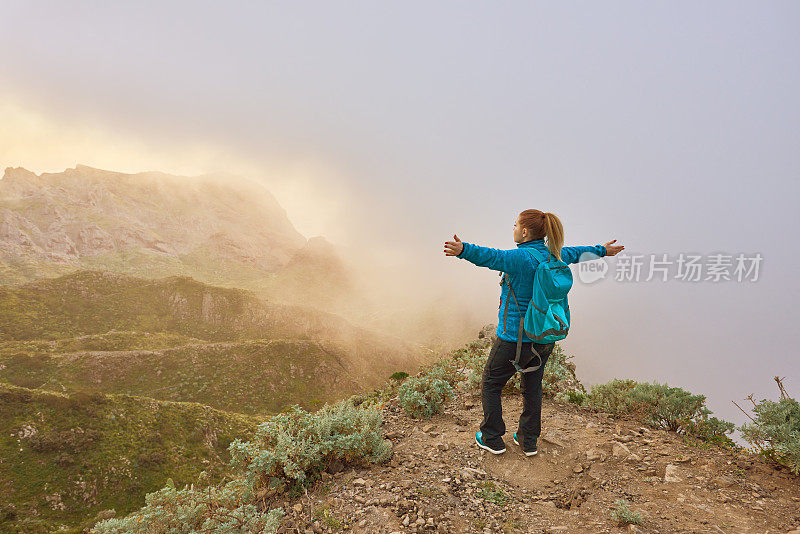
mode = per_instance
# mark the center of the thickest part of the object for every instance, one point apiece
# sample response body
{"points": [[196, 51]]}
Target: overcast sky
{"points": [[673, 127]]}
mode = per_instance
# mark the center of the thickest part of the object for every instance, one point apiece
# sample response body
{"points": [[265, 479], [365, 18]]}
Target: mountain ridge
{"points": [[62, 218]]}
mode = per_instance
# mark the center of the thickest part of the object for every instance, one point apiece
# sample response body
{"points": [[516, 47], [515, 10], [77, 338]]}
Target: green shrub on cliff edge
{"points": [[775, 431], [660, 406]]}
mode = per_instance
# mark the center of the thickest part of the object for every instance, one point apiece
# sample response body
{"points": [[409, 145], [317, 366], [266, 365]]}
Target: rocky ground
{"points": [[438, 480]]}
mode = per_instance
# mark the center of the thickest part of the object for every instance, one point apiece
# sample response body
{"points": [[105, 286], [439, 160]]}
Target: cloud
{"points": [[399, 278], [43, 142]]}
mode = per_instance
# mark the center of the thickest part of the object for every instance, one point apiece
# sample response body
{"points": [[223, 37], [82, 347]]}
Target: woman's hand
{"points": [[453, 248], [612, 250]]}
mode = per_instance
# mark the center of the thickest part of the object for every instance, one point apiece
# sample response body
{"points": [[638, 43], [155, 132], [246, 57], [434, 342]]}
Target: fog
{"points": [[389, 127]]}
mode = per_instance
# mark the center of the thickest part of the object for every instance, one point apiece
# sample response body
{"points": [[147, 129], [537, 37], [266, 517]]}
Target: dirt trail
{"points": [[438, 480]]}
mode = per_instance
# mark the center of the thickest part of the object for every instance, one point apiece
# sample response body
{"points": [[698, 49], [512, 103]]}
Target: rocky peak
{"points": [[18, 182], [83, 211]]}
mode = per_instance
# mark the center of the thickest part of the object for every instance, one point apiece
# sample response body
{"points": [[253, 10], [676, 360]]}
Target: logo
{"points": [[591, 271]]}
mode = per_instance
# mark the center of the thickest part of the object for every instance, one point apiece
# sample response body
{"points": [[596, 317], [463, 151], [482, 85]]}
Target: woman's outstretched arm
{"points": [[573, 254], [491, 258]]}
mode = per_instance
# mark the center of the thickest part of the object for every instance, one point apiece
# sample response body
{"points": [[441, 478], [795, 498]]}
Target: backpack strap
{"points": [[519, 351], [519, 338], [539, 255]]}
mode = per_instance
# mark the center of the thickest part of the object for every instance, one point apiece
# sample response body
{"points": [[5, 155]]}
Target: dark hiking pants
{"points": [[498, 370]]}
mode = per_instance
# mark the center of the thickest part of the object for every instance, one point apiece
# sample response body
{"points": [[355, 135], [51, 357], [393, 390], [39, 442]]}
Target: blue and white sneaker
{"points": [[479, 441], [529, 452]]}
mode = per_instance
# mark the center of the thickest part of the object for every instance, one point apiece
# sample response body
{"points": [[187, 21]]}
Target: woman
{"points": [[530, 230]]}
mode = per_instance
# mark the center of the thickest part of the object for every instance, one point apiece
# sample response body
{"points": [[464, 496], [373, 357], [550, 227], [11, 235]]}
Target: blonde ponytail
{"points": [[554, 234]]}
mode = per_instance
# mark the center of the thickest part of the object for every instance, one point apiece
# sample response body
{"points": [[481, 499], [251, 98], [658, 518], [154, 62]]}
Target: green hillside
{"points": [[179, 339], [64, 458], [94, 302], [253, 377]]}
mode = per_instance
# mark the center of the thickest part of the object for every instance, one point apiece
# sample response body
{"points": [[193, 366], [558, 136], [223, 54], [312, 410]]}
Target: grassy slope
{"points": [[64, 458], [103, 311], [93, 302], [253, 377]]}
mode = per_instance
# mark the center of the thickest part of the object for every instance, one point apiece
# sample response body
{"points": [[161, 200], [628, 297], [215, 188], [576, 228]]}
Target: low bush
{"points": [[559, 374], [775, 431], [709, 429], [399, 376], [83, 397], [470, 363], [574, 397], [9, 394], [146, 458], [424, 396], [624, 515], [447, 369], [213, 510], [293, 448], [660, 406]]}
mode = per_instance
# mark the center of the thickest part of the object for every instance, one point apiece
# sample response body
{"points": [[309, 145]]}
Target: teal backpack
{"points": [[547, 317]]}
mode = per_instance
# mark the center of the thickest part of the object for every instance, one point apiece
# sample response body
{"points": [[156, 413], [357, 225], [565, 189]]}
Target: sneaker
{"points": [[529, 452], [479, 441]]}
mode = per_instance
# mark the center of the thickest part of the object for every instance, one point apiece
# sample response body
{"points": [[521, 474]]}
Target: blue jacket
{"points": [[519, 266]]}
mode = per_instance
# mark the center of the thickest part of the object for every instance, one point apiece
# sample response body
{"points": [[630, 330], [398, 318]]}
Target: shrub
{"points": [[613, 397], [624, 515], [775, 431], [287, 451], [29, 362], [8, 512], [292, 448], [424, 396], [447, 369], [574, 397], [660, 406], [399, 376], [64, 459], [559, 374], [471, 362], [655, 404], [213, 510], [150, 458], [466, 367], [709, 429]]}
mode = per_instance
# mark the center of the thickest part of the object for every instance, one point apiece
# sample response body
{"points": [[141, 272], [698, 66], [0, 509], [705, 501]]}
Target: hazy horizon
{"points": [[387, 128]]}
